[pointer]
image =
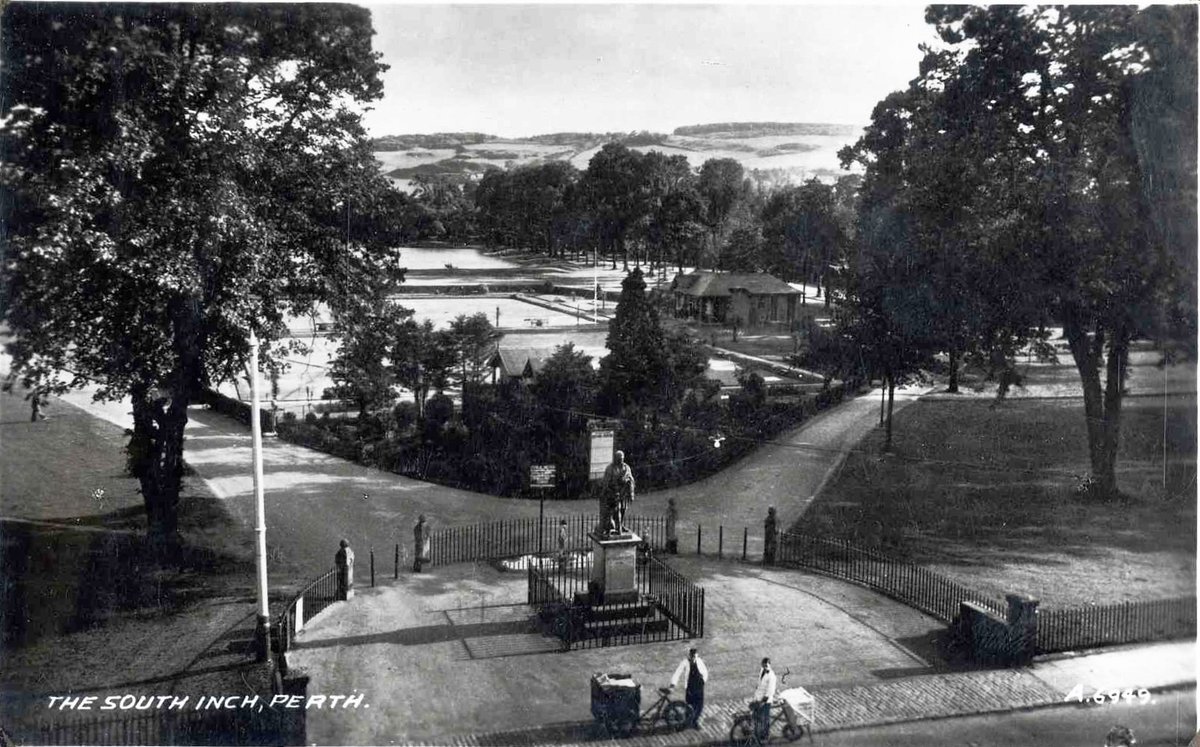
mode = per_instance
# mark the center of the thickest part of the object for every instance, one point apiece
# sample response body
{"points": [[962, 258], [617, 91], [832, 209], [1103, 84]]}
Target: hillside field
{"points": [[789, 152]]}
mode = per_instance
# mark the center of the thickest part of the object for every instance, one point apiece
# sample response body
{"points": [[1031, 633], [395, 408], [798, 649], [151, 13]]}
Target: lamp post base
{"points": [[262, 638]]}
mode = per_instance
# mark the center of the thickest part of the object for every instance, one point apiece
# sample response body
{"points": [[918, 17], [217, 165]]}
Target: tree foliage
{"points": [[179, 175], [1024, 172], [636, 371], [802, 227], [474, 340], [359, 369]]}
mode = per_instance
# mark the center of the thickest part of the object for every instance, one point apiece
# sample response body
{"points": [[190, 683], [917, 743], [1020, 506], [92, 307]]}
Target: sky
{"points": [[515, 70]]}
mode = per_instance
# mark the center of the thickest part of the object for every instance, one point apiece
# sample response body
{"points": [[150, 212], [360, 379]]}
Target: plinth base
{"points": [[614, 568]]}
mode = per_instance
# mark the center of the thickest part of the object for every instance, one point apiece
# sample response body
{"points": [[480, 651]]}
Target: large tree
{"points": [[565, 389], [802, 228], [1081, 99], [474, 340], [612, 188], [422, 359], [177, 176], [637, 370], [672, 209], [1044, 166], [359, 370], [721, 184]]}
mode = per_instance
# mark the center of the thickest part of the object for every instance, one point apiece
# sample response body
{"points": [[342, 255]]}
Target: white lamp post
{"points": [[262, 634]]}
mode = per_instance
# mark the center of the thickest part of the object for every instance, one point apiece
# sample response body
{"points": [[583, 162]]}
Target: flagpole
{"points": [[262, 634]]}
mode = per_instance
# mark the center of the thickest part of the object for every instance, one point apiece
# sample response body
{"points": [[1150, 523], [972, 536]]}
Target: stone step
{"points": [[614, 628], [639, 611]]}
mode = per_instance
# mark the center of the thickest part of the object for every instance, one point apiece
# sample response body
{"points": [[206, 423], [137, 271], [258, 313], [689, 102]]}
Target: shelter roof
{"points": [[703, 283], [521, 361]]}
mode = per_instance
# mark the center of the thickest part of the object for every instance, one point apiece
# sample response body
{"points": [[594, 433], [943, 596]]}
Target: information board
{"points": [[541, 475], [601, 451]]}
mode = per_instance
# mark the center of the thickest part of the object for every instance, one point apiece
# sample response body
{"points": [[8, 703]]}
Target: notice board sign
{"points": [[542, 475], [600, 451]]}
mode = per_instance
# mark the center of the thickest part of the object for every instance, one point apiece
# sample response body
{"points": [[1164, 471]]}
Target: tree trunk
{"points": [[887, 443], [159, 417], [156, 460], [882, 398], [1101, 403], [953, 385], [1105, 473]]}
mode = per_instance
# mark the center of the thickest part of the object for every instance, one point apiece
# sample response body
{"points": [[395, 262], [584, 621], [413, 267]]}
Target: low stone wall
{"points": [[1011, 639]]}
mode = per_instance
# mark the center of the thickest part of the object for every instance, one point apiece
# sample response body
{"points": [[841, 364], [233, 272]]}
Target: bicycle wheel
{"points": [[792, 733], [742, 732], [677, 715], [621, 726], [564, 631]]}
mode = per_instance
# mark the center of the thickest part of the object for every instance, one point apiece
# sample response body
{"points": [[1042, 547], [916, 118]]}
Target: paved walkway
{"points": [[313, 500], [1160, 668], [461, 637]]}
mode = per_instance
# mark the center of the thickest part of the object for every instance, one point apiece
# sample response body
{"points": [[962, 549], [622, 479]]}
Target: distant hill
{"points": [[779, 152], [763, 129], [436, 140]]}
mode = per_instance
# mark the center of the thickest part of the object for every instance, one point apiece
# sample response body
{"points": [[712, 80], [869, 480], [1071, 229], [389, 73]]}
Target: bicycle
{"points": [[675, 713], [745, 730]]}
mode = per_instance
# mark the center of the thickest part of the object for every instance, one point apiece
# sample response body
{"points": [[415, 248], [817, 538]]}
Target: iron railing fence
{"points": [[312, 599], [1124, 622], [915, 586], [512, 538], [156, 727], [668, 606]]}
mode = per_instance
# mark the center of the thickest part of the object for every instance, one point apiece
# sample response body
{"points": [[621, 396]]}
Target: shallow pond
{"points": [[513, 314], [463, 258]]}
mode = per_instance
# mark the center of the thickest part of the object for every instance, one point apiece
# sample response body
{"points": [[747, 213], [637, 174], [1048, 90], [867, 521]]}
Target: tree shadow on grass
{"points": [[60, 580], [129, 517], [429, 634]]}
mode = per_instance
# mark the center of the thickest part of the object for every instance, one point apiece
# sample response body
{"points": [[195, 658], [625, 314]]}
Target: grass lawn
{"points": [[986, 496], [773, 341], [86, 609]]}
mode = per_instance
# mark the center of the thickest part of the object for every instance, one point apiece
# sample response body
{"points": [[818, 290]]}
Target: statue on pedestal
{"points": [[617, 492]]}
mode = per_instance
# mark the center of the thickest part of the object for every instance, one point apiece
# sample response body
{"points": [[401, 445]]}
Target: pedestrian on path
{"points": [[420, 543], [697, 675], [763, 695], [562, 540], [35, 406], [672, 519]]}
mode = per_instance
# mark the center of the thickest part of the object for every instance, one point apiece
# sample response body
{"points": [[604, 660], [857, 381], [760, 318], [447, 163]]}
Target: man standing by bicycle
{"points": [[697, 675], [763, 695]]}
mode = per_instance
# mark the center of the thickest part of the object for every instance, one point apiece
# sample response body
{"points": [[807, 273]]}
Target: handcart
{"points": [[616, 702], [616, 706]]}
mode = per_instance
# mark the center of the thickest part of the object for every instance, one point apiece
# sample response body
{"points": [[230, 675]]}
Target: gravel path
{"points": [[313, 500]]}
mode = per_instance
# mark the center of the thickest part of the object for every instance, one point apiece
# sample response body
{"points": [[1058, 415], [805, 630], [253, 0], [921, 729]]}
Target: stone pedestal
{"points": [[614, 568], [344, 561], [1022, 626]]}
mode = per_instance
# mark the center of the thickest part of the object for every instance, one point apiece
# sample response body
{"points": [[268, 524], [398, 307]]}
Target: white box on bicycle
{"points": [[797, 702]]}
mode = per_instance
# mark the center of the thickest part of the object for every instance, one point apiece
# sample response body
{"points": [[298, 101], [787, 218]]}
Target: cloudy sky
{"points": [[515, 70]]}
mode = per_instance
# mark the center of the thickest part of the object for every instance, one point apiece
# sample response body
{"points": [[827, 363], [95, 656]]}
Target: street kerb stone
{"points": [[911, 699]]}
